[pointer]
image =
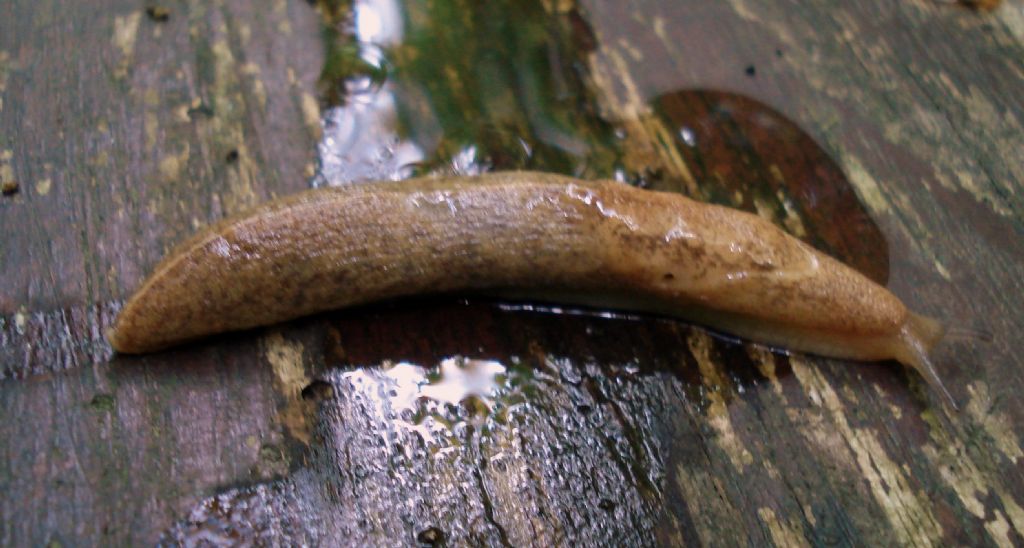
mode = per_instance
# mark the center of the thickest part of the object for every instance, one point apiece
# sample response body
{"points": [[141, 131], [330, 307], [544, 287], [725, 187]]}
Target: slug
{"points": [[569, 240]]}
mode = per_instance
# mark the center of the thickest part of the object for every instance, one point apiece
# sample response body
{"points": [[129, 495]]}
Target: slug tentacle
{"points": [[531, 232], [918, 337]]}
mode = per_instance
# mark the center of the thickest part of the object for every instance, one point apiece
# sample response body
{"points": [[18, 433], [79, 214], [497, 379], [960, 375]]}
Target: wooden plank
{"points": [[118, 128], [887, 91], [601, 429]]}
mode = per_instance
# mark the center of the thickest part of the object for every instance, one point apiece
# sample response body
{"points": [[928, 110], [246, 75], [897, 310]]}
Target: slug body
{"points": [[565, 238]]}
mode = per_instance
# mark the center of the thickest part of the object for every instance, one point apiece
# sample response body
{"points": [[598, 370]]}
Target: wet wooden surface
{"points": [[888, 134]]}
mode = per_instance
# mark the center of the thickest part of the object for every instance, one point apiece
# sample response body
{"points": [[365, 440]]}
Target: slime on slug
{"points": [[542, 235]]}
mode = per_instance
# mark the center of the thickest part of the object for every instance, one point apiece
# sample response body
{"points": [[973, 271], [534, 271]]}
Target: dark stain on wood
{"points": [[159, 14], [747, 155]]}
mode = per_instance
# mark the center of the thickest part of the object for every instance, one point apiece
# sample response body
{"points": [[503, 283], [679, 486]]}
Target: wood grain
{"points": [[120, 131]]}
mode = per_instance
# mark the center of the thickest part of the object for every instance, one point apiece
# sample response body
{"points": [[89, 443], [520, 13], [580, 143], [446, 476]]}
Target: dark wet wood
{"points": [[124, 132]]}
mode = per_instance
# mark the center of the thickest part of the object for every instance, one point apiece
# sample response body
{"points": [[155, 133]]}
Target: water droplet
{"points": [[465, 162], [688, 136], [527, 149], [371, 79]]}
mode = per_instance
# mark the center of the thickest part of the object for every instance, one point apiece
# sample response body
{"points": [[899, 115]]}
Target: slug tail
{"points": [[918, 336]]}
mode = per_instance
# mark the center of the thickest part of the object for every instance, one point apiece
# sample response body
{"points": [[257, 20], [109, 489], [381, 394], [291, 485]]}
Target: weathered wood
{"points": [[120, 130]]}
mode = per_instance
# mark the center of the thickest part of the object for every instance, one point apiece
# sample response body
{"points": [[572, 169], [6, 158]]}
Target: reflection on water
{"points": [[447, 87], [425, 401], [360, 136], [457, 380], [570, 310], [358, 144], [378, 22]]}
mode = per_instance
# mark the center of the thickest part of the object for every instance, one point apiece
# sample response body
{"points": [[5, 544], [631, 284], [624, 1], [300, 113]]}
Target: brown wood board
{"points": [[124, 133]]}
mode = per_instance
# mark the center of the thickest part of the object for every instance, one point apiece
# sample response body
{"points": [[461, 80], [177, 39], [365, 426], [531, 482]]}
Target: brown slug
{"points": [[569, 240]]}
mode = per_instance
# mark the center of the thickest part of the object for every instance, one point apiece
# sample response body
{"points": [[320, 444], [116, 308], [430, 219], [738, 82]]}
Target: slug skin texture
{"points": [[566, 239]]}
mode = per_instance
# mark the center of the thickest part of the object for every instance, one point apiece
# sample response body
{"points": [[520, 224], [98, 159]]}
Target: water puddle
{"points": [[438, 402], [450, 88], [453, 449]]}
